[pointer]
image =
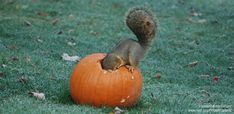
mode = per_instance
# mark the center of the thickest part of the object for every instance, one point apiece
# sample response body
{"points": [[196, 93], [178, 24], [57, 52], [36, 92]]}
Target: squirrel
{"points": [[129, 52]]}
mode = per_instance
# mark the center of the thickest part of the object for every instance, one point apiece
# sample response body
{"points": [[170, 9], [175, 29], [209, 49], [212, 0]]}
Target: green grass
{"points": [[95, 26]]}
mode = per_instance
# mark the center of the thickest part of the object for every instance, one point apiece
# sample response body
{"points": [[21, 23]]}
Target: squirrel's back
{"points": [[129, 52]]}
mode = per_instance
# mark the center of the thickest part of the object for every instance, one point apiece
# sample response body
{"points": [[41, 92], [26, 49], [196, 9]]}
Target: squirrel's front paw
{"points": [[130, 68]]}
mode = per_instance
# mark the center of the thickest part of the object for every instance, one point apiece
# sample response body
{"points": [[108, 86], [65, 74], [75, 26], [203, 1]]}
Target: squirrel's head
{"points": [[111, 61], [142, 23]]}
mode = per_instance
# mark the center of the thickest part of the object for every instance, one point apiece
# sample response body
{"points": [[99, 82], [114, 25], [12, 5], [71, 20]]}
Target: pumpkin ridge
{"points": [[107, 92], [110, 93], [122, 88], [96, 91], [79, 78], [89, 79], [94, 83], [82, 89]]}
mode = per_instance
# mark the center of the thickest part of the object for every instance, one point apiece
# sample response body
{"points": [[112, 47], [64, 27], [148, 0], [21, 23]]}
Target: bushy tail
{"points": [[142, 23]]}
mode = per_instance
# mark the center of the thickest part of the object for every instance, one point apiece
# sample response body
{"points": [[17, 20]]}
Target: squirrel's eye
{"points": [[148, 23]]}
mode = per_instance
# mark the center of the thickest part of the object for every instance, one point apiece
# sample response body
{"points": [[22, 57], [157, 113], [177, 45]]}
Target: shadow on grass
{"points": [[65, 98]]}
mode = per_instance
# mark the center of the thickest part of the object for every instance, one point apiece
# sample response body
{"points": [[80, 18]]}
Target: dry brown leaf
{"points": [[43, 14], [158, 76]]}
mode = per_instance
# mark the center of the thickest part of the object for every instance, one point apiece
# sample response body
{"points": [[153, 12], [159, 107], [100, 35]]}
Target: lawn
{"points": [[193, 53]]}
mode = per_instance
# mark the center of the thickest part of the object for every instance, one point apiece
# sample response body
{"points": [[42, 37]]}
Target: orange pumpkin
{"points": [[90, 84]]}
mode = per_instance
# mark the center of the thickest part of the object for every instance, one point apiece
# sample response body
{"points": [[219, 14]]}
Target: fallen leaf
{"points": [[195, 13], [39, 40], [117, 110], [192, 64], [66, 57], [71, 44], [158, 76], [23, 79], [204, 75], [3, 65], [27, 23], [216, 79], [54, 21], [12, 47], [40, 96], [27, 59], [199, 21], [70, 31], [94, 33], [205, 93], [71, 16], [43, 14]]}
